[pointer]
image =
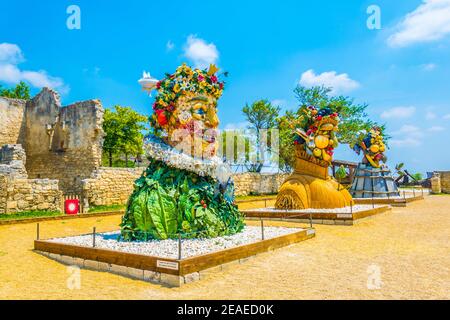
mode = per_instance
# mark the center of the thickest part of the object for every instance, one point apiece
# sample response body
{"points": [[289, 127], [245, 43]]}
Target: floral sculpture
{"points": [[372, 179], [373, 146], [310, 185], [186, 190]]}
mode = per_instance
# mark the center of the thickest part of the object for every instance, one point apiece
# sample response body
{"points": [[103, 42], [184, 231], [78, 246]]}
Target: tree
{"points": [[262, 116], [123, 128], [353, 119], [20, 91]]}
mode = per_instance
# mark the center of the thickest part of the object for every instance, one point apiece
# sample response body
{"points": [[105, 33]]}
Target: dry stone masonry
{"points": [[17, 192]]}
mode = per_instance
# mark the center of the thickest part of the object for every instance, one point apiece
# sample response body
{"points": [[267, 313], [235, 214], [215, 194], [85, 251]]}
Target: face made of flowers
{"points": [[193, 126]]}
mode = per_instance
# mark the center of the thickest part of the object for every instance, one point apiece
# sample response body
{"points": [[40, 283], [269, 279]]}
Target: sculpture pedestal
{"points": [[370, 182]]}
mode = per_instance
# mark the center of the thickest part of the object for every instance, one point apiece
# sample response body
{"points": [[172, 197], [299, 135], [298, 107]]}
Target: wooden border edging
{"points": [[61, 217], [316, 215], [396, 202], [185, 266]]}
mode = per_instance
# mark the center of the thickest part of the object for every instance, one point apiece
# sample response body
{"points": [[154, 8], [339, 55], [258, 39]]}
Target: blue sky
{"points": [[400, 70]]}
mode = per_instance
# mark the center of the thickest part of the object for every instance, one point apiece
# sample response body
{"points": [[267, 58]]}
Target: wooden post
{"points": [[93, 237], [179, 246], [262, 229], [37, 231]]}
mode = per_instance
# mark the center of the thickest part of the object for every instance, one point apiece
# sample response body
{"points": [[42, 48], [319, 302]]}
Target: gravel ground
{"points": [[407, 249], [355, 208], [169, 248]]}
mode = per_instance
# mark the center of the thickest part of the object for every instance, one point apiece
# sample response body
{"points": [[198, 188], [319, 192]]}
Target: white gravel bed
{"points": [[169, 248], [355, 208]]}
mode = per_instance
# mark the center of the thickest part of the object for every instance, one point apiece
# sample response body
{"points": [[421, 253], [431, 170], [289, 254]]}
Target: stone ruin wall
{"points": [[445, 181], [63, 143], [12, 128], [17, 192], [113, 186]]}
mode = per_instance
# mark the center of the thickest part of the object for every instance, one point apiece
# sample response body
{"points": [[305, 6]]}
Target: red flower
{"points": [[158, 85], [221, 85], [319, 118], [161, 117], [200, 78], [154, 105], [296, 142], [213, 79]]}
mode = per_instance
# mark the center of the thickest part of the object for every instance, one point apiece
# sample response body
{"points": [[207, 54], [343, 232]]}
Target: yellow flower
{"points": [[176, 88]]}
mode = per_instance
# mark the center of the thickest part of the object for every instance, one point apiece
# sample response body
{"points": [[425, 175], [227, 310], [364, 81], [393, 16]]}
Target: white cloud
{"points": [[428, 22], [201, 53], [398, 112], [10, 53], [447, 117], [429, 67], [430, 115], [407, 142], [407, 136], [436, 129], [340, 83], [170, 45], [11, 56]]}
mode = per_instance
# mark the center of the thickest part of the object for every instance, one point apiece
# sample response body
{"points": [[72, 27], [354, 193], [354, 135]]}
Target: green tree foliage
{"points": [[124, 132], [261, 115], [354, 119], [20, 91]]}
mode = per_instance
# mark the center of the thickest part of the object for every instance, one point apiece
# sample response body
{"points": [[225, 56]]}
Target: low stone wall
{"points": [[110, 186], [255, 183], [445, 181], [17, 192], [32, 195]]}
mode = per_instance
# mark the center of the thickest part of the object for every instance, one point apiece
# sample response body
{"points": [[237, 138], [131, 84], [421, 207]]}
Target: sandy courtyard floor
{"points": [[403, 254]]}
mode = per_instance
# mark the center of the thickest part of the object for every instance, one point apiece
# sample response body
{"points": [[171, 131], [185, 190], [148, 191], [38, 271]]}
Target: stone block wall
{"points": [[445, 181], [32, 194], [12, 128], [255, 183], [110, 186], [17, 192]]}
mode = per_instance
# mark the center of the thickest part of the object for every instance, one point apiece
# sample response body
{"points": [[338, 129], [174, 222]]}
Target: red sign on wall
{"points": [[72, 206]]}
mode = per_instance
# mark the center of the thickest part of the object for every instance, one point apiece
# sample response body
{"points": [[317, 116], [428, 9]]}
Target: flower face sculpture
{"points": [[373, 146], [318, 132], [188, 193], [185, 110]]}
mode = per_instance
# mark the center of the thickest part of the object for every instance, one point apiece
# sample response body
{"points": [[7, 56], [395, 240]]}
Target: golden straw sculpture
{"points": [[310, 185]]}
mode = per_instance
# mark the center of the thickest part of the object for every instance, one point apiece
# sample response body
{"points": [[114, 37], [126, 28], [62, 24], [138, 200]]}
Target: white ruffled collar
{"points": [[214, 167]]}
